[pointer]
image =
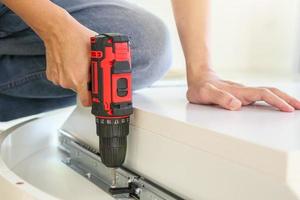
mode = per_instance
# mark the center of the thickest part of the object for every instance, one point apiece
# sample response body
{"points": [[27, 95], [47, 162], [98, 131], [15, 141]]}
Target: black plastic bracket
{"points": [[130, 190]]}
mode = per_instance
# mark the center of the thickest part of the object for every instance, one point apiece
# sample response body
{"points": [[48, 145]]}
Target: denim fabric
{"points": [[24, 89], [2, 9]]}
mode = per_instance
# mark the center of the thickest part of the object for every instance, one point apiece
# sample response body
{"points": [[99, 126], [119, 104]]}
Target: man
{"points": [[42, 39]]}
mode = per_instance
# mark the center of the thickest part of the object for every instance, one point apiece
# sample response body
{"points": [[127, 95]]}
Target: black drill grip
{"points": [[113, 140]]}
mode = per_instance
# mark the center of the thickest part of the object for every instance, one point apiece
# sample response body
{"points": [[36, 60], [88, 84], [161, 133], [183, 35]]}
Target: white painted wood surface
{"points": [[198, 152], [204, 152], [30, 155]]}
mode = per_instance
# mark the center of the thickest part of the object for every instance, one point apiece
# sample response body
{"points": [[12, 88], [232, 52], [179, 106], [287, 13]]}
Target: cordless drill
{"points": [[111, 96]]}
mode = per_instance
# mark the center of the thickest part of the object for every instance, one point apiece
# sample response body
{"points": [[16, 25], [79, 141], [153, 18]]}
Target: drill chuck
{"points": [[112, 140]]}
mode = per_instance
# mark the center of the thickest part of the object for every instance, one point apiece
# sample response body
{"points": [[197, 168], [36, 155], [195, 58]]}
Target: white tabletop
{"points": [[257, 137], [259, 124]]}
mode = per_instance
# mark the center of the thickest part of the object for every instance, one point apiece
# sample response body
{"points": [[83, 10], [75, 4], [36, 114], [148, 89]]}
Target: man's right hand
{"points": [[67, 43], [68, 57]]}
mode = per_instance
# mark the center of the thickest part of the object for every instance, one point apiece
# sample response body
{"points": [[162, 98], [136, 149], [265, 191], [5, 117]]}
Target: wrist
{"points": [[42, 16], [198, 73], [56, 26]]}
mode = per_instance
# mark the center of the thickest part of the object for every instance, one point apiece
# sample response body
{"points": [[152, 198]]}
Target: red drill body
{"points": [[111, 95]]}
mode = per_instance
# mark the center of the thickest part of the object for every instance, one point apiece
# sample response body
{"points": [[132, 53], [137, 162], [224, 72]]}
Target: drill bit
{"points": [[114, 177]]}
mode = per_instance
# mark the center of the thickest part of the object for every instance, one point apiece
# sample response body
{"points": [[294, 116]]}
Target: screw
{"points": [[138, 191], [68, 160], [114, 178], [88, 175]]}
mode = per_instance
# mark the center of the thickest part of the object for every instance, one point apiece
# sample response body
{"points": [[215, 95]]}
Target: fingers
{"points": [[52, 76], [63, 81], [212, 95], [52, 71], [81, 89], [232, 96], [84, 94], [223, 99], [264, 94], [289, 99]]}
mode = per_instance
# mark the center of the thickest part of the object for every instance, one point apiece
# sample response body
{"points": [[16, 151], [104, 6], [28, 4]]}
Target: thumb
{"points": [[222, 98]]}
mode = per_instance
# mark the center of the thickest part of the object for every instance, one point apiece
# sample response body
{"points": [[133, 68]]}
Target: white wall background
{"points": [[163, 9], [256, 35], [259, 36]]}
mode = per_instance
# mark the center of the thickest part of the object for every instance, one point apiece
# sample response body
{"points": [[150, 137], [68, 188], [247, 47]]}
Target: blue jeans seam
{"points": [[19, 82]]}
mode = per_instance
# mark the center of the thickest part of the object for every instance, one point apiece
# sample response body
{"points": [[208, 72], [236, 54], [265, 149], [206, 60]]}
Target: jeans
{"points": [[24, 88]]}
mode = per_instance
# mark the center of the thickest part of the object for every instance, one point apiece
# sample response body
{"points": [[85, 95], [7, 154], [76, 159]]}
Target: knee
{"points": [[152, 53], [149, 36]]}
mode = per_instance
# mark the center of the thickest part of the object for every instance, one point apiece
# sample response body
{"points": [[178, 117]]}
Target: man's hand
{"points": [[67, 43], [205, 87], [68, 57], [232, 96]]}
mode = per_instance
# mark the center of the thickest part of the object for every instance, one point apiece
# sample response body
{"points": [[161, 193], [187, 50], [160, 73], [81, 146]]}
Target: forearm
{"points": [[42, 16], [192, 23]]}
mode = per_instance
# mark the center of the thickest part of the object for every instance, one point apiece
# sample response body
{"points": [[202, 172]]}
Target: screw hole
{"points": [[20, 183]]}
